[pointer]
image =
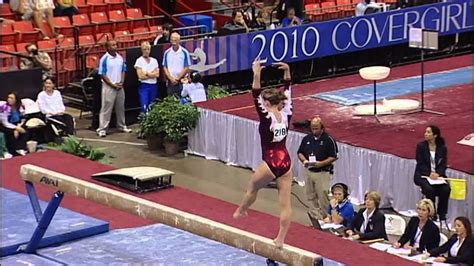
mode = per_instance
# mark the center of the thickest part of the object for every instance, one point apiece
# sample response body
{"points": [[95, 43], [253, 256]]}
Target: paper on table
{"points": [[399, 251], [380, 246], [467, 140], [331, 225], [439, 181]]}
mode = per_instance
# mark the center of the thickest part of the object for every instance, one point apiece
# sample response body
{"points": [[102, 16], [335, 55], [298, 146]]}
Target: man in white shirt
{"points": [[176, 62], [147, 71], [112, 68], [364, 5]]}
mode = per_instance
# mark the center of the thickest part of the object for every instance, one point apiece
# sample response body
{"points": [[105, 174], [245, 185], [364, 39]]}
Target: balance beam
{"points": [[175, 218]]}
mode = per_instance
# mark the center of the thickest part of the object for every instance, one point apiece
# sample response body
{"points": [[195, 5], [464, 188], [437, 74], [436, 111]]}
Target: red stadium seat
{"points": [[101, 38], [86, 41], [6, 60], [21, 48], [26, 31], [84, 24], [84, 8], [136, 15], [63, 26], [116, 4], [314, 12], [47, 44], [330, 9], [98, 5], [7, 35], [100, 19], [118, 17], [6, 11], [141, 34]]}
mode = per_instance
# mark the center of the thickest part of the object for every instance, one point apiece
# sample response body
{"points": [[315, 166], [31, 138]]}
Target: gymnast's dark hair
{"points": [[439, 139]]}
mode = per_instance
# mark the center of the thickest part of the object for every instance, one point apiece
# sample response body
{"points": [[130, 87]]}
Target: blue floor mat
{"points": [[154, 244], [365, 93], [18, 223]]}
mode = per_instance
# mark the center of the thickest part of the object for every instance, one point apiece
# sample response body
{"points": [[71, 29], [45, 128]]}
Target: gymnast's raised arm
{"points": [[257, 69]]}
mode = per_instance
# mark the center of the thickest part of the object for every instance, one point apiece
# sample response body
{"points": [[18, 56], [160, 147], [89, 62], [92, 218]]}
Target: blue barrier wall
{"points": [[237, 52]]}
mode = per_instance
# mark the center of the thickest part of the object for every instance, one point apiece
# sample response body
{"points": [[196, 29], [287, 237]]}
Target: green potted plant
{"points": [[74, 146], [177, 119], [151, 127], [216, 92]]}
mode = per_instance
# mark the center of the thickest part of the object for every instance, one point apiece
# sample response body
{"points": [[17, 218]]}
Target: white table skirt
{"points": [[236, 141]]}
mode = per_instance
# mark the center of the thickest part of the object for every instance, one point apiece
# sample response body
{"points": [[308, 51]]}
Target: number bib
{"points": [[279, 132]]}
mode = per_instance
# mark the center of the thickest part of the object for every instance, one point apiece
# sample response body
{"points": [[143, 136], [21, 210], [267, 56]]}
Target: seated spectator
{"points": [[66, 8], [51, 104], [369, 222], [421, 232], [37, 59], [340, 209], [291, 19], [35, 10], [460, 247], [237, 24], [165, 37], [260, 20], [194, 90], [362, 7], [13, 125], [4, 154]]}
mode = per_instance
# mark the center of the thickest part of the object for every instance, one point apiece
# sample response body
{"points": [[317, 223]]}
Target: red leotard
{"points": [[273, 134]]}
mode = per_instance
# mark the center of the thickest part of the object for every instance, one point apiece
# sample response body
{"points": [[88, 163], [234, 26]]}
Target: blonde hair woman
{"points": [[147, 71], [421, 233], [369, 223]]}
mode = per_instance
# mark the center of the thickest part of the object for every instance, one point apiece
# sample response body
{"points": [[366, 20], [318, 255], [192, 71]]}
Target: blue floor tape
{"points": [[434, 81]]}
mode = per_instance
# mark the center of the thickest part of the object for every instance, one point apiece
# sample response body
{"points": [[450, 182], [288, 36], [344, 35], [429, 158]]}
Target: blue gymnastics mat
{"points": [[18, 224], [156, 244], [363, 94]]}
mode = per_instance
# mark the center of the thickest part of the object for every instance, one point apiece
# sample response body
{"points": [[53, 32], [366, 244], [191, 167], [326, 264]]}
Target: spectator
{"points": [[431, 164], [147, 71], [66, 8], [51, 104], [340, 209], [460, 246], [37, 59], [364, 5], [13, 125], [421, 232], [176, 62], [194, 89], [36, 10], [291, 19], [165, 37], [237, 24], [260, 20], [112, 69], [318, 152], [369, 223]]}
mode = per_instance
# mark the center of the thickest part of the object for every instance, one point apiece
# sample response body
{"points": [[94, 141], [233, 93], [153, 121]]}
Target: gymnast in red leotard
{"points": [[274, 111]]}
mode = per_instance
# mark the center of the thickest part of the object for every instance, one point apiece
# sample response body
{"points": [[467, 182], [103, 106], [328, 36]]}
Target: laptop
{"points": [[315, 222]]}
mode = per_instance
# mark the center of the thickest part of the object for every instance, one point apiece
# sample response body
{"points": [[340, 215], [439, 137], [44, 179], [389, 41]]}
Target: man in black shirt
{"points": [[317, 152]]}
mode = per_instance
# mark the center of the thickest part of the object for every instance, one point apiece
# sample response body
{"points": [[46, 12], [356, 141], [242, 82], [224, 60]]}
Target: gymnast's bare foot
{"points": [[278, 243], [239, 213]]}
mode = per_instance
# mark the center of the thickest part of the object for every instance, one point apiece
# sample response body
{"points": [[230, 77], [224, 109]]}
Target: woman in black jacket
{"points": [[421, 232], [369, 223], [431, 162], [460, 246]]}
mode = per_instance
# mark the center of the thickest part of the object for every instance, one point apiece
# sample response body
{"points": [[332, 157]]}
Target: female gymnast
{"points": [[274, 111]]}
